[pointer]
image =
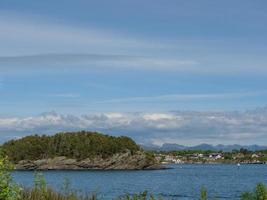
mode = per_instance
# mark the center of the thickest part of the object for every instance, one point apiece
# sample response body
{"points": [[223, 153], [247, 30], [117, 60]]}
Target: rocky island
{"points": [[78, 151]]}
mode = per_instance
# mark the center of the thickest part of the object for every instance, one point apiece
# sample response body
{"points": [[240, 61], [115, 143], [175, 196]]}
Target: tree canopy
{"points": [[78, 145]]}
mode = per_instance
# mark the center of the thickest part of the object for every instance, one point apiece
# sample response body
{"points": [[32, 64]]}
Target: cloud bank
{"points": [[187, 127]]}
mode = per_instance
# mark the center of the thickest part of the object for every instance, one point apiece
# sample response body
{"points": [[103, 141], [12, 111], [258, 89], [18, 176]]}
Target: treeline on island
{"points": [[77, 145]]}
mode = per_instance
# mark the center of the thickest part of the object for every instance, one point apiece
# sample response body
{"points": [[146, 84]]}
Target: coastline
{"points": [[124, 161], [217, 163]]}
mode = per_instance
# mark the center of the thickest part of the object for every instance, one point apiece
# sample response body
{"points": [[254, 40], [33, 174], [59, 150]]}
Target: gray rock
{"points": [[122, 161]]}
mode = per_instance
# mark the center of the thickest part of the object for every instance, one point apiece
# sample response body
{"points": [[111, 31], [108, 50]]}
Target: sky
{"points": [[187, 72]]}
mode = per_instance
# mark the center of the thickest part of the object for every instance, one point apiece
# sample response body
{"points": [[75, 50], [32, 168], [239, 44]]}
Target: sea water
{"points": [[181, 182]]}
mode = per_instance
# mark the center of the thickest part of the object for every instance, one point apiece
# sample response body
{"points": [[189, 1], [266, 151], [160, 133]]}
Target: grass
{"points": [[50, 194], [42, 192]]}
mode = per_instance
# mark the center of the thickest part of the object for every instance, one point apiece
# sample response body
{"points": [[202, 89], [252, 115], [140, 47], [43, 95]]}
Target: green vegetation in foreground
{"points": [[9, 190], [78, 145]]}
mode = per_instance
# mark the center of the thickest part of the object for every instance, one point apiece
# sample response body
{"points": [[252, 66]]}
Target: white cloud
{"points": [[33, 40], [29, 43], [42, 37], [188, 128], [184, 97], [90, 61], [157, 116], [30, 35]]}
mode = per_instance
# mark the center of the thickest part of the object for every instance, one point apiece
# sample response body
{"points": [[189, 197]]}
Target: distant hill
{"points": [[203, 147], [169, 147]]}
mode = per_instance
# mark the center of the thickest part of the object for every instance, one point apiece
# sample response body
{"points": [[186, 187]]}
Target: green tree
{"points": [[78, 145]]}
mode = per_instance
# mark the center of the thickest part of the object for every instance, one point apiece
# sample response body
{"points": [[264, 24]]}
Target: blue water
{"points": [[182, 182]]}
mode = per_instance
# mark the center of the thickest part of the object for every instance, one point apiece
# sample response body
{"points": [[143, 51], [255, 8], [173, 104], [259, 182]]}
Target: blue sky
{"points": [[89, 57]]}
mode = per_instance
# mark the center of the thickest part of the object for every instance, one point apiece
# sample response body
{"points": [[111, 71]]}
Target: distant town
{"points": [[242, 156]]}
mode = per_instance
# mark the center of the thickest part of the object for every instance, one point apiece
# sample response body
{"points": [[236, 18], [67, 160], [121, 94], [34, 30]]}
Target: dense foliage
{"points": [[79, 145], [9, 190]]}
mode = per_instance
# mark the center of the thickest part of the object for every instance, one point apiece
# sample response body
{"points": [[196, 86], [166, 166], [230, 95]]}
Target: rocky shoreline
{"points": [[122, 161]]}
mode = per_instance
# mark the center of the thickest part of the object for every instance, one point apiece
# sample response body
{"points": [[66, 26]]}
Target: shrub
{"points": [[203, 194], [41, 191], [9, 190], [259, 193]]}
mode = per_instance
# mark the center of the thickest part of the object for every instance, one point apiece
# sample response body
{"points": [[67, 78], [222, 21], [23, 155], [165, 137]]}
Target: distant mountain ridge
{"points": [[204, 147]]}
